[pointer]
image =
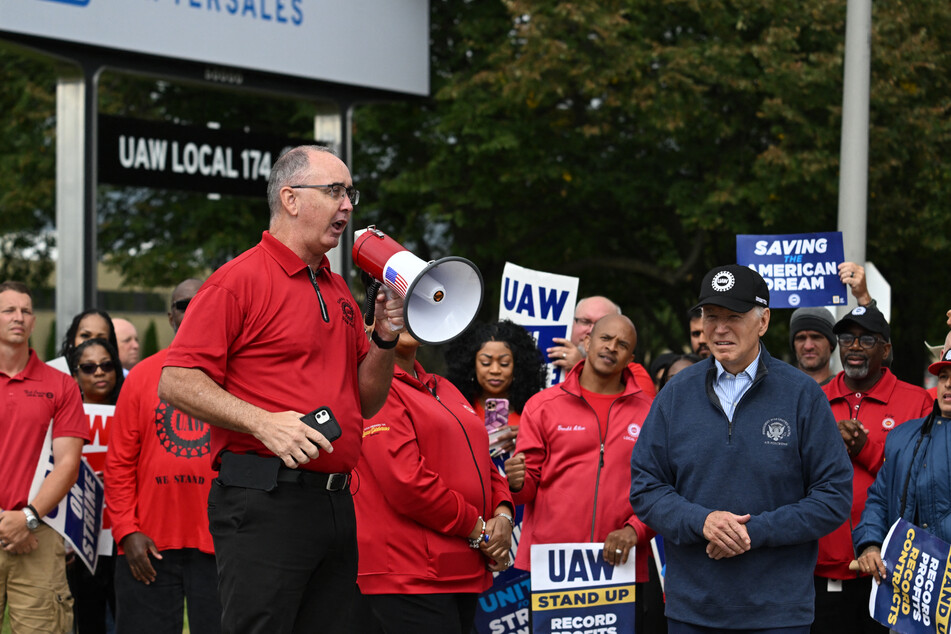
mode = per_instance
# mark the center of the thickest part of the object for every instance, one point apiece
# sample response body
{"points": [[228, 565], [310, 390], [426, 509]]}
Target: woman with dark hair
{"points": [[496, 361], [434, 515], [92, 323], [676, 364], [94, 363]]}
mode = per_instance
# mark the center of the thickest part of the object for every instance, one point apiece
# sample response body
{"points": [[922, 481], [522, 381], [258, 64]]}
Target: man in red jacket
{"points": [[868, 401], [572, 469], [157, 477]]}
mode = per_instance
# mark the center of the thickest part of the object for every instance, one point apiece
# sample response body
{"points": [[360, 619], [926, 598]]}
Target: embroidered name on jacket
{"points": [[776, 431], [571, 428]]}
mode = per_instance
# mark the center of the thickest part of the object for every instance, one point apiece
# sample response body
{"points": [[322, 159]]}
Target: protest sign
{"points": [[78, 516], [503, 608], [799, 269], [574, 591], [915, 598], [542, 303]]}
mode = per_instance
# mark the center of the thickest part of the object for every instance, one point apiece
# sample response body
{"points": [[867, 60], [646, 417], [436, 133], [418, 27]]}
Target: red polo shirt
{"points": [[29, 402], [258, 328], [890, 402]]}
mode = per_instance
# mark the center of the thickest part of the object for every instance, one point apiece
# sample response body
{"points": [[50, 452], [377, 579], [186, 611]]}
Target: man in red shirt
{"points": [[35, 396], [271, 335], [157, 476], [868, 401], [572, 467], [568, 352]]}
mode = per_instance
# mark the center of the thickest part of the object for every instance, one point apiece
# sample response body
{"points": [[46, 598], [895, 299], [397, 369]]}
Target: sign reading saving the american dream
{"points": [[542, 303], [192, 158], [574, 591], [799, 269], [915, 597]]}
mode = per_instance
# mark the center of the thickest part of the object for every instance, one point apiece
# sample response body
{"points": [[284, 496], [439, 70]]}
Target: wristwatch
{"points": [[32, 521]]}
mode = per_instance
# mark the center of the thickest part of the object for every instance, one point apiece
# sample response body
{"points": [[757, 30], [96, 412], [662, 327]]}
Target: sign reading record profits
{"points": [[192, 158]]}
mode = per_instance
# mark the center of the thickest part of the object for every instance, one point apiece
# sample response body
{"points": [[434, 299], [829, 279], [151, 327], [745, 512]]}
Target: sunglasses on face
{"points": [[90, 368], [181, 305]]}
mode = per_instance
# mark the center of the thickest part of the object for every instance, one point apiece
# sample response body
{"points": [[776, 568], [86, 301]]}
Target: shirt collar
{"points": [[750, 370], [287, 259]]}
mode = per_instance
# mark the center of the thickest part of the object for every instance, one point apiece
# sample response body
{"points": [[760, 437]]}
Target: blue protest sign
{"points": [[574, 588], [915, 598], [543, 304], [800, 269]]}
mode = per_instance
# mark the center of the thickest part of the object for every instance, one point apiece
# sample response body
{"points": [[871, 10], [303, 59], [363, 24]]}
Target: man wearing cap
{"points": [[811, 338], [868, 401], [740, 467]]}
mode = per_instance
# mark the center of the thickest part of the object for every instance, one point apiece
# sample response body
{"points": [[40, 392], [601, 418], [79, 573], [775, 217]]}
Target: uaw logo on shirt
{"points": [[347, 309], [723, 281], [888, 423], [181, 434], [633, 431], [776, 431], [858, 310]]}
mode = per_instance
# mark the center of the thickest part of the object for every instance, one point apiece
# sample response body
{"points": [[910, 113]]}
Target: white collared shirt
{"points": [[730, 389]]}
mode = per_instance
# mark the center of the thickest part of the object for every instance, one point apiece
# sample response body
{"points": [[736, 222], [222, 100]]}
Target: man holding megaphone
{"points": [[272, 335]]}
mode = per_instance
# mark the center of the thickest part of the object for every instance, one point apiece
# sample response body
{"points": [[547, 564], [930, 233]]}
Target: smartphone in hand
{"points": [[323, 420]]}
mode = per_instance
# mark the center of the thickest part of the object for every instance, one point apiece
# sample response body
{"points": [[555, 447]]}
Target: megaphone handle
{"points": [[369, 304]]}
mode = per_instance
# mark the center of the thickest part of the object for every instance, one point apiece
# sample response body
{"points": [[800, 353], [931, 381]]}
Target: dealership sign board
{"points": [[379, 44]]}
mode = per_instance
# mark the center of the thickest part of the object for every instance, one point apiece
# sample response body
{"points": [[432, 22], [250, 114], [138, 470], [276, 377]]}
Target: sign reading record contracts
{"points": [[194, 158], [377, 44]]}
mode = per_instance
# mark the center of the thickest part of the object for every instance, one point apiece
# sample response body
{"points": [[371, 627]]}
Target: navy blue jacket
{"points": [[782, 460], [928, 499]]}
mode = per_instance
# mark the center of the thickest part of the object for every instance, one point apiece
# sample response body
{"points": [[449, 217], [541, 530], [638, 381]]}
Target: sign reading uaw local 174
{"points": [[915, 597], [575, 591], [192, 158], [800, 269]]}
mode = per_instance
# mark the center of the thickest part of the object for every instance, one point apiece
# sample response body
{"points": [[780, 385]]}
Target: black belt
{"points": [[264, 472], [328, 481]]}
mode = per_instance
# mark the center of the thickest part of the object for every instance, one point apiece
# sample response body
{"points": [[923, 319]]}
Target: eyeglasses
{"points": [[865, 341], [581, 321], [337, 190], [181, 304], [90, 368]]}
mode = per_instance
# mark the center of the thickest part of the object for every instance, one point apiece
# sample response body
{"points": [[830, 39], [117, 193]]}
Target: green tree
{"points": [[629, 142], [27, 167]]}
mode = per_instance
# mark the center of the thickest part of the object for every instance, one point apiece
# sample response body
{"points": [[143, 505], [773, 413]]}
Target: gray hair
{"points": [[288, 168]]}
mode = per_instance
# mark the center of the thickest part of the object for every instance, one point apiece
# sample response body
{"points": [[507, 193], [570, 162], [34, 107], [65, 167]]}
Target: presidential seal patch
{"points": [[776, 431]]}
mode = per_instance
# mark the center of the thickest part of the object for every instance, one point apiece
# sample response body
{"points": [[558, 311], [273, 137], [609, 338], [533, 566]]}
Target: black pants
{"points": [[417, 613], [287, 558], [845, 612], [94, 594], [649, 604], [158, 608]]}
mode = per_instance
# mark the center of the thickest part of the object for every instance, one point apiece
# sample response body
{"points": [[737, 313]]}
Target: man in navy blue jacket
{"points": [[741, 468]]}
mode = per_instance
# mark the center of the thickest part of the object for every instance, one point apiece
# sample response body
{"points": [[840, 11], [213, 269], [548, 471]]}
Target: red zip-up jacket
{"points": [[424, 479], [569, 495], [890, 402]]}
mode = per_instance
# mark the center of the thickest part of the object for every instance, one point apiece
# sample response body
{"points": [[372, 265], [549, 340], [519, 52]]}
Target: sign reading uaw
{"points": [[799, 269], [193, 158]]}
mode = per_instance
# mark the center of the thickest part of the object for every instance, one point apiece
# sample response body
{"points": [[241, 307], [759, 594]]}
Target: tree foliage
{"points": [[628, 143]]}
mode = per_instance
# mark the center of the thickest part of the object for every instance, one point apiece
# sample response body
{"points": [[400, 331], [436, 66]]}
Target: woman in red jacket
{"points": [[434, 516]]}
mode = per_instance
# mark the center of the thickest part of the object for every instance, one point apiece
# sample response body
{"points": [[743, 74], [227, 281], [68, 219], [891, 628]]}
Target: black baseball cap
{"points": [[734, 287], [868, 317]]}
